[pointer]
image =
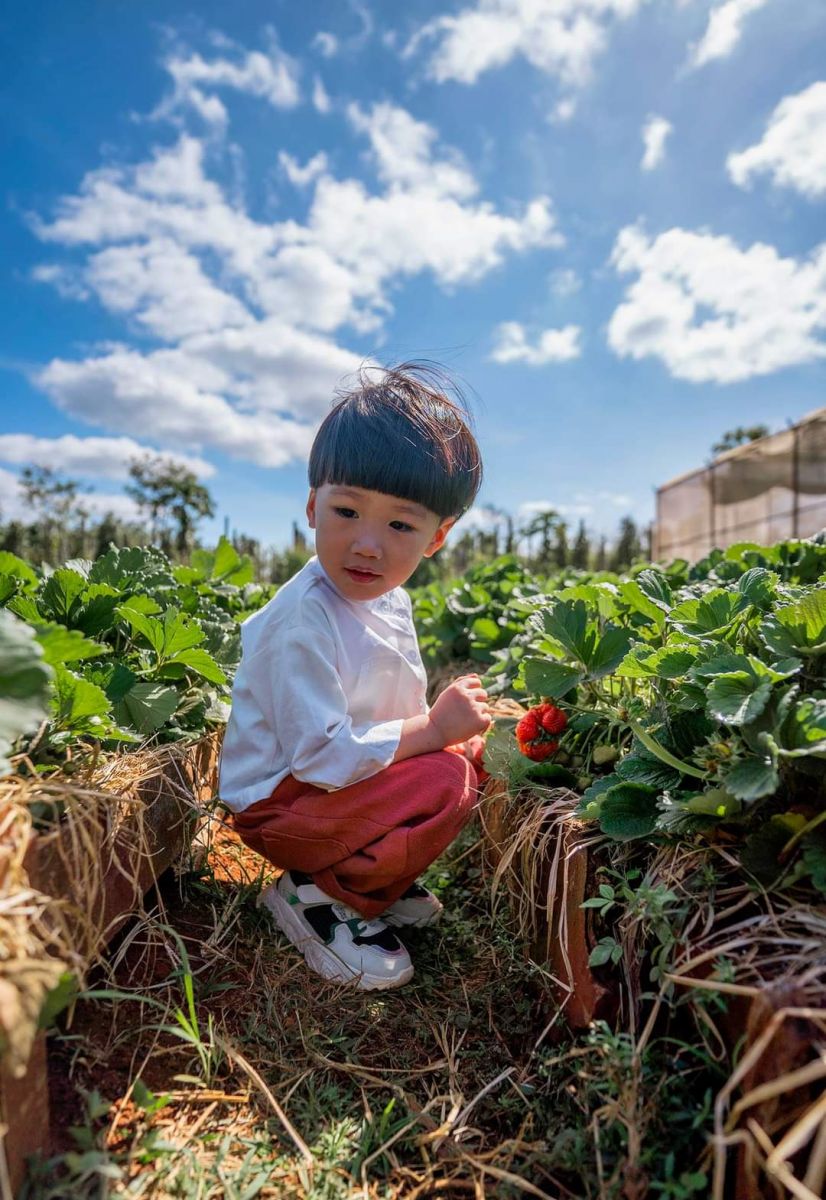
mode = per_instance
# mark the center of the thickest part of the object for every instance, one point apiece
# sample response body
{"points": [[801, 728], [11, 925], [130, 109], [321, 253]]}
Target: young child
{"points": [[333, 765]]}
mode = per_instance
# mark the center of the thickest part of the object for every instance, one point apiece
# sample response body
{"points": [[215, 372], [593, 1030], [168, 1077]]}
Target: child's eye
{"points": [[402, 526], [349, 513]]}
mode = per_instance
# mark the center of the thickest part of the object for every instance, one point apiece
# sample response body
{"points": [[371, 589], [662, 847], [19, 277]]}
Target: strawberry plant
{"points": [[696, 699], [127, 647]]}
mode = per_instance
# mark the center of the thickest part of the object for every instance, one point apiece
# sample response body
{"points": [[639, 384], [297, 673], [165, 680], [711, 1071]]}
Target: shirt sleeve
{"points": [[309, 711]]}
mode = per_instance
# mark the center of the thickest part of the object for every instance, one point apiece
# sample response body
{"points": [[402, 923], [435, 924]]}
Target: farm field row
{"points": [[666, 757]]}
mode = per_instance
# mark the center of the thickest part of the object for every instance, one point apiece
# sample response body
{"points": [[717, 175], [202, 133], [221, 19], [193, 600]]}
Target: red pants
{"points": [[366, 843]]}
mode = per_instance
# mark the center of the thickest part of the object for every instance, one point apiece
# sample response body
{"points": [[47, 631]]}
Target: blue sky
{"points": [[605, 216]]}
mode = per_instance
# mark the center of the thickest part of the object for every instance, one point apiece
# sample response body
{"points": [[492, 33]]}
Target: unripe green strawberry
{"points": [[602, 755]]}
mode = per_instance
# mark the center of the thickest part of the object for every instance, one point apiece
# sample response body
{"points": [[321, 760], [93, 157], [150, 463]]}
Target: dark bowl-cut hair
{"points": [[399, 432]]}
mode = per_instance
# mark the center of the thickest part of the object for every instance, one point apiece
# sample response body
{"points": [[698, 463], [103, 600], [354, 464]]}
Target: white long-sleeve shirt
{"points": [[322, 689]]}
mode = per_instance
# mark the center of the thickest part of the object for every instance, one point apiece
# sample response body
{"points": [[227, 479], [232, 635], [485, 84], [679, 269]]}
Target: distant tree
{"points": [[581, 549], [107, 533], [561, 551], [54, 503], [627, 548], [543, 524], [601, 559], [13, 538], [738, 437], [167, 492]]}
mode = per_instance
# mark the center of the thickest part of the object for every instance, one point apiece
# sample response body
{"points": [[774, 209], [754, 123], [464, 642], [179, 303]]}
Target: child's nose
{"points": [[367, 544]]}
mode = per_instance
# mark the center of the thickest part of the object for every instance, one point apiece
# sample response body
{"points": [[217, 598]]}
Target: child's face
{"points": [[369, 543]]}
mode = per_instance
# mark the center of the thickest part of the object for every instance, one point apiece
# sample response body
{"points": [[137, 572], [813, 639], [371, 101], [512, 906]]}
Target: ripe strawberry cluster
{"points": [[537, 731]]}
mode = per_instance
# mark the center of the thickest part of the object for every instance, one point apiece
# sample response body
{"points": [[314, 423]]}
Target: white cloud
{"points": [[654, 135], [14, 507], [565, 282], [403, 149], [793, 148], [271, 76], [560, 37], [563, 111], [95, 457], [552, 345], [713, 312], [164, 286], [724, 30], [326, 44], [243, 304], [299, 175], [65, 280], [321, 100]]}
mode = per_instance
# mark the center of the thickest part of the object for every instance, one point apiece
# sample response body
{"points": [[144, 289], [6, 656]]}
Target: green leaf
{"points": [[485, 630], [761, 851], [544, 677], [711, 613], [803, 731], [759, 586], [752, 778], [24, 683], [550, 774], [79, 705], [609, 651], [60, 595], [201, 663], [639, 602], [655, 586], [667, 662], [738, 697], [605, 951], [643, 767], [798, 628], [62, 645], [16, 568], [567, 623], [628, 811], [147, 706], [814, 857], [133, 568], [57, 998]]}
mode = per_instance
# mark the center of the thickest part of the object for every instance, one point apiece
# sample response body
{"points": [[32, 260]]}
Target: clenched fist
{"points": [[461, 710]]}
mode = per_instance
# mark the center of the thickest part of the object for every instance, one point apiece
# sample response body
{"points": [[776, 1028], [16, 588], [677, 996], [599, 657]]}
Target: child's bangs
{"points": [[366, 457]]}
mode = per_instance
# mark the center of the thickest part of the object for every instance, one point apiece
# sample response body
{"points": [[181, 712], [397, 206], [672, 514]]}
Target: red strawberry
{"points": [[528, 728], [538, 751], [554, 719]]}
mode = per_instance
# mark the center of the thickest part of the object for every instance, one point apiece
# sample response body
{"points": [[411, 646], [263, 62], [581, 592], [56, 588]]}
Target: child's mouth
{"points": [[362, 576]]}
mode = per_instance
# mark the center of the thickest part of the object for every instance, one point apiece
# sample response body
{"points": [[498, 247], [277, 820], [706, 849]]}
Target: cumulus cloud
{"points": [[560, 37], [301, 176], [94, 457], [271, 76], [321, 100], [724, 30], [714, 313], [326, 44], [247, 308], [793, 148], [165, 288], [552, 345], [565, 282], [654, 135], [14, 507]]}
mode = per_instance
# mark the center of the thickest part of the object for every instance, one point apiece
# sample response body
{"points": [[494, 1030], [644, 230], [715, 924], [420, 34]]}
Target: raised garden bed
{"points": [[75, 887]]}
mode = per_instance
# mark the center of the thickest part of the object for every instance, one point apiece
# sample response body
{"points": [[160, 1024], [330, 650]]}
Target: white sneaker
{"points": [[416, 908], [336, 941]]}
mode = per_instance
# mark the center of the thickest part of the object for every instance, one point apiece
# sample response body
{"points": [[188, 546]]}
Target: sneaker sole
{"points": [[321, 958]]}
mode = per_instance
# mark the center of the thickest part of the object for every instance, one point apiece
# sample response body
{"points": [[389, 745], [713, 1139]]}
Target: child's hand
{"points": [[461, 711]]}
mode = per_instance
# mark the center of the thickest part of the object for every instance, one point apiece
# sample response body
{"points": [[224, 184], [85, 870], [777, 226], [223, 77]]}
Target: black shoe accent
{"points": [[324, 920], [414, 892], [300, 878]]}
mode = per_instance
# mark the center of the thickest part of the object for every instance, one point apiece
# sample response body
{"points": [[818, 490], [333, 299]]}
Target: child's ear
{"points": [[311, 508], [438, 539]]}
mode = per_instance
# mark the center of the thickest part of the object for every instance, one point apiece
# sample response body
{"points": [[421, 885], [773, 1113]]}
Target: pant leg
{"points": [[366, 843]]}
